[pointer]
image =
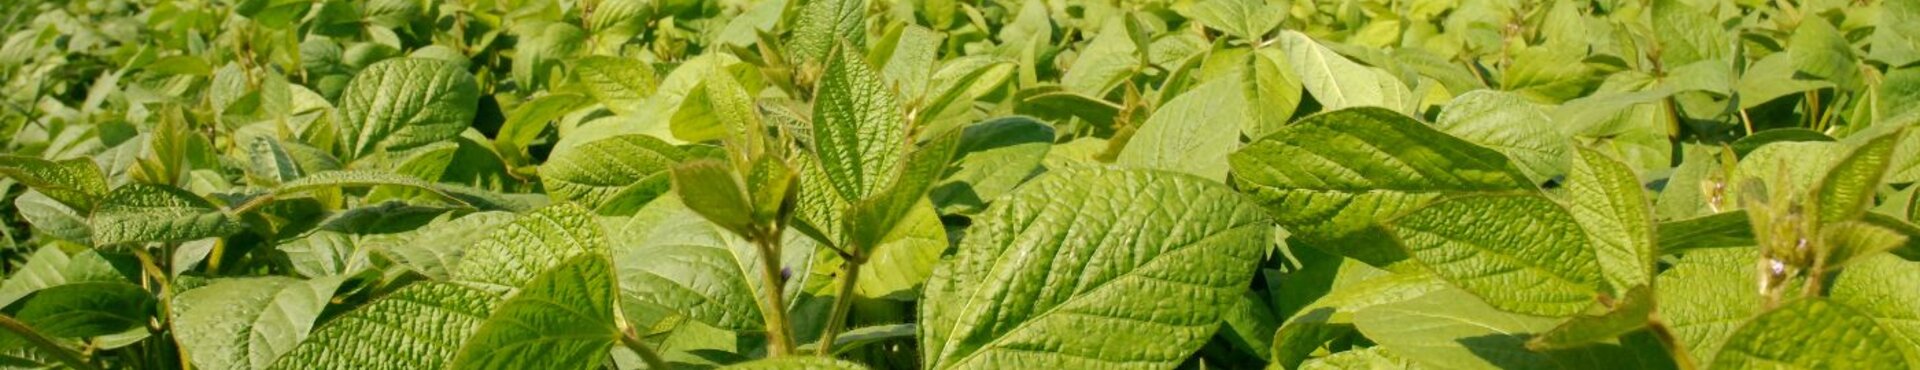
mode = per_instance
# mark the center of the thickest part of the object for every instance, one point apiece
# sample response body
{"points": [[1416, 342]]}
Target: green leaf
{"points": [[1453, 329], [1490, 244], [420, 326], [363, 178], [514, 253], [1106, 61], [247, 323], [1848, 189], [1332, 315], [1247, 19], [1811, 333], [52, 220], [1688, 34], [1629, 314], [88, 309], [1611, 205], [1719, 230], [563, 319], [1707, 295], [1847, 242], [1331, 178], [531, 118], [1368, 358], [716, 192], [77, 182], [155, 213], [621, 84], [405, 103], [997, 303], [1512, 125], [1272, 92], [49, 267], [869, 221], [1193, 133], [1337, 82], [598, 171], [994, 157], [728, 113], [796, 363], [858, 128], [822, 24], [673, 260], [1883, 288], [1821, 51], [433, 250]]}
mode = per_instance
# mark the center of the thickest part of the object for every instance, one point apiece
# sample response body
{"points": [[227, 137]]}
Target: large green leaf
{"points": [[994, 156], [1706, 296], [1848, 189], [514, 253], [434, 249], [405, 103], [822, 24], [1272, 90], [1609, 202], [1884, 289], [1247, 19], [1106, 61], [1511, 124], [87, 309], [1453, 329], [563, 319], [1043, 282], [50, 267], [621, 84], [1193, 133], [1489, 245], [858, 128], [156, 213], [1332, 315], [1811, 333], [76, 182], [595, 172], [421, 326], [1337, 82], [1822, 51], [671, 258], [1331, 178], [247, 323]]}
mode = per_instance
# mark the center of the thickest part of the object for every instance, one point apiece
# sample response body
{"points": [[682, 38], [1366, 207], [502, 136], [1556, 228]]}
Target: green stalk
{"points": [[841, 304], [653, 359], [773, 307], [62, 354]]}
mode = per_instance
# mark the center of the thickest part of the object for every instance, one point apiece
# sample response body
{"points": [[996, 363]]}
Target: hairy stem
{"points": [[653, 359], [66, 356], [773, 307], [842, 302], [1681, 359]]}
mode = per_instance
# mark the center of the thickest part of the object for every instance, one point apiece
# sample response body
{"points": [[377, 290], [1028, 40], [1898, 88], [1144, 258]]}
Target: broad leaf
{"points": [[796, 363], [596, 172], [672, 259], [1337, 82], [994, 156], [1193, 133], [405, 103], [1610, 204], [88, 309], [77, 183], [858, 128], [1488, 245], [1247, 19], [621, 84], [563, 319], [514, 253], [421, 326], [1883, 288], [1706, 296], [248, 323], [1510, 124], [155, 213], [1331, 178], [1452, 329], [1040, 282], [1811, 333]]}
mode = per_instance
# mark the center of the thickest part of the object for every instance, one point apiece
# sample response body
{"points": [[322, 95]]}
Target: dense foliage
{"points": [[940, 184]]}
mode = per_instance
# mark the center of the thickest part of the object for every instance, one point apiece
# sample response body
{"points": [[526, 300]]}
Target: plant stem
{"points": [[63, 354], [773, 307], [1681, 359], [842, 302], [653, 359]]}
